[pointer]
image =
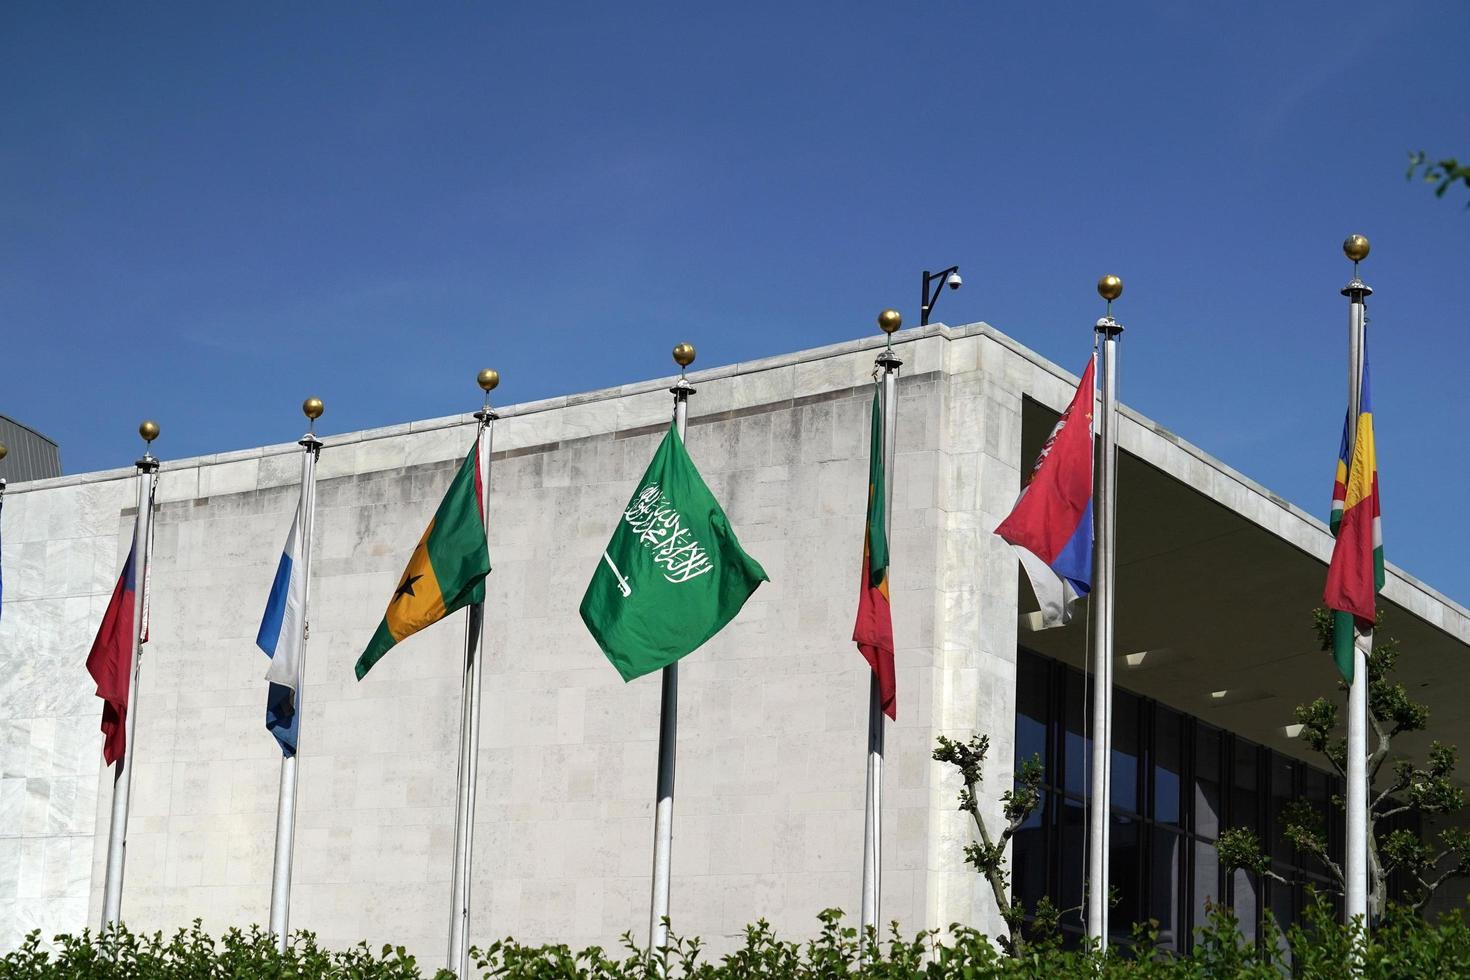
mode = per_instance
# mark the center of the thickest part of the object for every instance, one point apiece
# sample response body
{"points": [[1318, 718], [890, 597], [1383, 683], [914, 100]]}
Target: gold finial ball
{"points": [[313, 408], [488, 379], [148, 430], [1356, 247], [1110, 288], [890, 320], [3, 451], [684, 355]]}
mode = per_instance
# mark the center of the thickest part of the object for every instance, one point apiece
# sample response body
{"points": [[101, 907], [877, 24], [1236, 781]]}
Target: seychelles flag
{"points": [[281, 637], [1355, 574], [1051, 525]]}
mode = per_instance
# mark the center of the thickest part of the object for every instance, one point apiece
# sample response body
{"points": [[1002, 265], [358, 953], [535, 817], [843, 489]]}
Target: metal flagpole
{"points": [[1109, 288], [668, 725], [1356, 803], [122, 779], [888, 362], [311, 448], [469, 722]]}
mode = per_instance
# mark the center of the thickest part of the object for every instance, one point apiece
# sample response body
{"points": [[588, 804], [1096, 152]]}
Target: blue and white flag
{"points": [[280, 637]]}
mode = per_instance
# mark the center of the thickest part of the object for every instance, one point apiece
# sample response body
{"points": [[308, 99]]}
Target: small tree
{"points": [[1406, 787], [988, 855]]}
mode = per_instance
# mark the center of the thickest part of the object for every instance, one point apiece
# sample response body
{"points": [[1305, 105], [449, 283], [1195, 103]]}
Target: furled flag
{"points": [[110, 661], [446, 571], [873, 632], [1355, 574], [1051, 525], [673, 574], [280, 637]]}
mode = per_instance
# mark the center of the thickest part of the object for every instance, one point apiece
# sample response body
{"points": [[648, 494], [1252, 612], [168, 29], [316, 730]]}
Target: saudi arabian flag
{"points": [[673, 574], [447, 570]]}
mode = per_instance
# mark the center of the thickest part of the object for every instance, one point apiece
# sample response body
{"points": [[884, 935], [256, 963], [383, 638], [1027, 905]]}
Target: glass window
{"points": [[1072, 821], [1283, 791], [1207, 781], [1125, 869], [1028, 857], [1125, 752], [1078, 745], [1163, 890], [1177, 783], [1032, 692], [1166, 770], [1245, 795], [1245, 899], [1206, 881]]}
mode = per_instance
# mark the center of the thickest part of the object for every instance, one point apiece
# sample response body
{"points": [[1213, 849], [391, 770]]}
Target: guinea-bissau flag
{"points": [[873, 632], [447, 570], [1355, 574]]}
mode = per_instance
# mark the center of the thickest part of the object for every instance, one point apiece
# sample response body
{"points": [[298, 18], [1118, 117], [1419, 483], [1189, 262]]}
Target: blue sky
{"points": [[212, 211]]}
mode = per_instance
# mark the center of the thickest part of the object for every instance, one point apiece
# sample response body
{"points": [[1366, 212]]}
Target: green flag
{"points": [[673, 574]]}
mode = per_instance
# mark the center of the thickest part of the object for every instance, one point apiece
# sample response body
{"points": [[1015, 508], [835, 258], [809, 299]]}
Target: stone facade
{"points": [[769, 805]]}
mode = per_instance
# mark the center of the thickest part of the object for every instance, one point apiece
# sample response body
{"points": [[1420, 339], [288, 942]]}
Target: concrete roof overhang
{"points": [[1217, 580]]}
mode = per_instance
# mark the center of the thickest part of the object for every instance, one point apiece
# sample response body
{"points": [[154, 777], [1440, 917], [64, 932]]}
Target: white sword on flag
{"points": [[311, 448], [122, 778], [1104, 575], [469, 722]]}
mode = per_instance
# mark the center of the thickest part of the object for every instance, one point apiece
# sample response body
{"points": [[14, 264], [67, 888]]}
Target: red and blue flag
{"points": [[1051, 525]]}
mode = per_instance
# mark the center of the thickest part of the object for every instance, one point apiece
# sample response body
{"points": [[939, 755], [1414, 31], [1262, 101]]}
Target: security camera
{"points": [[954, 281]]}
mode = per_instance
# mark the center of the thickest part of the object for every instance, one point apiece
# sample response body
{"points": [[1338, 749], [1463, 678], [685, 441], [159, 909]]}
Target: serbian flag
{"points": [[1355, 574], [873, 632], [1051, 525], [111, 661]]}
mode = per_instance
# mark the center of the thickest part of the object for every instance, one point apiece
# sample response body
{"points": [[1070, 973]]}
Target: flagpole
{"points": [[311, 448], [469, 722], [668, 725], [888, 363], [122, 779], [1099, 829], [1356, 797]]}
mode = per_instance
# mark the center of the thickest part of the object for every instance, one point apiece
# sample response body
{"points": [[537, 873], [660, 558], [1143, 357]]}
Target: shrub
{"points": [[1404, 946]]}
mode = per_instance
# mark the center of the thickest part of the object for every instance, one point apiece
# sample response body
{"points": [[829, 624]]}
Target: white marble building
{"points": [[768, 820]]}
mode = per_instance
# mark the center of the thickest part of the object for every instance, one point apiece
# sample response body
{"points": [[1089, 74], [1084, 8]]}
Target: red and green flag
{"points": [[1355, 575], [873, 632], [447, 570]]}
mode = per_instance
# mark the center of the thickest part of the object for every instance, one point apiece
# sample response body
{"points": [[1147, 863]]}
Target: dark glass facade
{"points": [[1177, 783]]}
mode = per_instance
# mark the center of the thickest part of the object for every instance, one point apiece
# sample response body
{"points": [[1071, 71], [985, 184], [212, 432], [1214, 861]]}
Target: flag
{"points": [[673, 574], [1051, 525], [1355, 575], [446, 571], [280, 637], [110, 661], [873, 632]]}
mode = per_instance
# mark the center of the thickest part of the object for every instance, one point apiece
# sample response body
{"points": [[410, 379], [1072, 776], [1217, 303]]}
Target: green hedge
{"points": [[1403, 946]]}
